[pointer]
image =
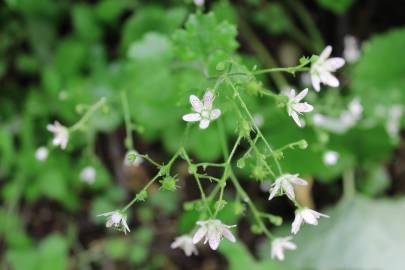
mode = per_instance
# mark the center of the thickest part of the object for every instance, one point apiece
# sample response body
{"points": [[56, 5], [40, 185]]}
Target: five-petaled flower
{"points": [[60, 133], [203, 111], [278, 246], [185, 242], [295, 107], [305, 215], [322, 68], [213, 230], [117, 220], [284, 184]]}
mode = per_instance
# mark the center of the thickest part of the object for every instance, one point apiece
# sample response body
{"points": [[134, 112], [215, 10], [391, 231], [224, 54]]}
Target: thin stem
{"points": [[127, 117], [143, 189], [87, 115], [150, 160]]}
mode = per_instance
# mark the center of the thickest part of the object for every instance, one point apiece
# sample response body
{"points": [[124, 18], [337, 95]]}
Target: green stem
{"points": [[87, 115]]}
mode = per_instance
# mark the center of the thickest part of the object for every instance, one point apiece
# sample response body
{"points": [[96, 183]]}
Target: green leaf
{"points": [[360, 234], [336, 6]]}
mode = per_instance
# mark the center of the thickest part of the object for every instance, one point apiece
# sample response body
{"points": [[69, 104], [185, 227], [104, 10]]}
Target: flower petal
{"points": [[325, 53], [316, 82], [295, 226], [298, 181], [214, 240], [215, 114], [309, 217], [208, 99], [302, 107], [192, 117], [334, 63], [289, 190], [301, 95], [228, 235], [196, 103], [201, 232], [329, 79], [296, 118], [204, 123]]}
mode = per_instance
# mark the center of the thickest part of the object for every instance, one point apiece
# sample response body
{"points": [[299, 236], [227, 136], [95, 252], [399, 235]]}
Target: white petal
{"points": [[296, 118], [192, 117], [196, 103], [228, 234], [214, 240], [273, 192], [329, 79], [289, 190], [295, 227], [208, 99], [298, 181], [289, 245], [334, 63], [201, 232], [301, 95], [309, 217], [317, 214], [291, 95], [316, 82], [215, 114], [204, 123], [302, 107], [325, 53]]}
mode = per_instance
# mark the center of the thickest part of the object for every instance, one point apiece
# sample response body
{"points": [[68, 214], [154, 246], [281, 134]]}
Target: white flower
{"points": [[305, 215], [321, 70], [203, 110], [116, 220], [278, 246], [132, 159], [284, 184], [213, 230], [41, 153], [199, 3], [60, 133], [330, 158], [88, 175], [185, 242], [295, 107], [351, 52], [258, 119]]}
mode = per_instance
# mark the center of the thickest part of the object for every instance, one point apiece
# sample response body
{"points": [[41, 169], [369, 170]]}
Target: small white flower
{"points": [[185, 242], [278, 246], [117, 220], [203, 110], [284, 184], [199, 3], [88, 175], [41, 153], [132, 159], [305, 215], [60, 133], [321, 70], [330, 158], [213, 230], [295, 107], [351, 52]]}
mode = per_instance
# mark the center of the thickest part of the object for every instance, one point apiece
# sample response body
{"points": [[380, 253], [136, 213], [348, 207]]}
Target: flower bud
{"points": [[168, 183]]}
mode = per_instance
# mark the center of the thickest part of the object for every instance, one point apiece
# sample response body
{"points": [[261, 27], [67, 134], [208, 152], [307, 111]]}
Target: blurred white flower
{"points": [[199, 3], [132, 159], [258, 119], [330, 158], [185, 242], [278, 246], [60, 133], [88, 175], [351, 52], [41, 153], [284, 185], [213, 230], [305, 215], [346, 120], [295, 107], [203, 110], [116, 220], [321, 70], [393, 125]]}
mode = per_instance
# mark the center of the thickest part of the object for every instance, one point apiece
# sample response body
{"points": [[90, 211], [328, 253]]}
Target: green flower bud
{"points": [[220, 66], [303, 144], [241, 163], [168, 183]]}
